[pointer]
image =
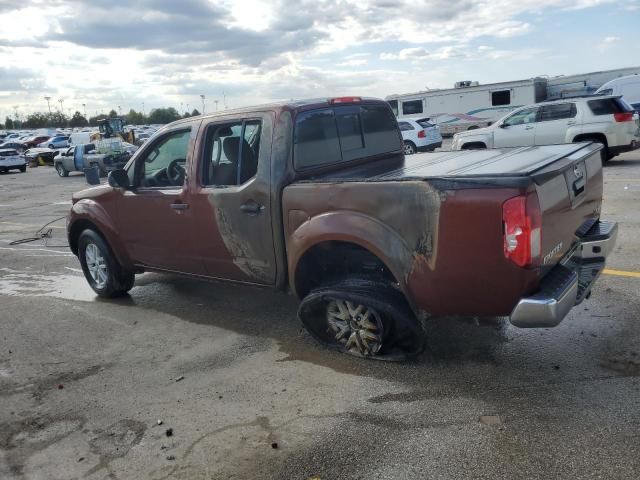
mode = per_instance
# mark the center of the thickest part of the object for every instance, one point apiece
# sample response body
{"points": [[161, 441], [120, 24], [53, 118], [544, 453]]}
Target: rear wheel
{"points": [[100, 267], [409, 148], [365, 318], [62, 172], [23, 168], [473, 146]]}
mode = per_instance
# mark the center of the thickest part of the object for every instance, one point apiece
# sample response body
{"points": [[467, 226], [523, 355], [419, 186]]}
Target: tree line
{"points": [[60, 120]]}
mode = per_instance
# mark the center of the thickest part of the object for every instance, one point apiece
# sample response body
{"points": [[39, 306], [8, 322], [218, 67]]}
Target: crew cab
{"points": [[317, 197], [607, 120]]}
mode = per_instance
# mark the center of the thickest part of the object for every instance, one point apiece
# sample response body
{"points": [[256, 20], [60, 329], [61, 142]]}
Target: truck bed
{"points": [[479, 164]]}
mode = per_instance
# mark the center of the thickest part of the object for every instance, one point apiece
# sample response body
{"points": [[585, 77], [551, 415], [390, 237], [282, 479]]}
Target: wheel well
{"points": [[76, 229], [333, 260], [409, 141], [597, 137], [473, 127], [472, 145]]}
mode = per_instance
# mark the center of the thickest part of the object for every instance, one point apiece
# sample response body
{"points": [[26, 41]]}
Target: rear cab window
{"points": [[333, 135]]}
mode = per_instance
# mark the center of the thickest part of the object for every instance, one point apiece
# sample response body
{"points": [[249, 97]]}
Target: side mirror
{"points": [[118, 179], [503, 125]]}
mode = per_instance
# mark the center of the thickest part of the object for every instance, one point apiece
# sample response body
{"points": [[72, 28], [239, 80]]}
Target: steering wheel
{"points": [[176, 172]]}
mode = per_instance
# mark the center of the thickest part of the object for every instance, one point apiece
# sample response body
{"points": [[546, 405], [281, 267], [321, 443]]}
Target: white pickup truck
{"points": [[607, 120]]}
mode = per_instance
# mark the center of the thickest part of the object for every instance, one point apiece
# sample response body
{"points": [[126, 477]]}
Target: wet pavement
{"points": [[84, 382]]}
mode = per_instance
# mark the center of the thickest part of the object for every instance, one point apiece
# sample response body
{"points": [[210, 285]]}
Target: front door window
{"points": [[164, 164]]}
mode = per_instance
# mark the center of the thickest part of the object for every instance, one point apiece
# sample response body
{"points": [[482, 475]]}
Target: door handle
{"points": [[251, 207], [530, 127], [179, 206], [571, 122]]}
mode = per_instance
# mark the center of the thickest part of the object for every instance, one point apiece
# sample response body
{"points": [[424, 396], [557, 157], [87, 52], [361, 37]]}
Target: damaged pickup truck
{"points": [[318, 198]]}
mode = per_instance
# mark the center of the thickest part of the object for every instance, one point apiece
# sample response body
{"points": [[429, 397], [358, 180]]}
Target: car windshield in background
{"points": [[332, 135], [425, 124]]}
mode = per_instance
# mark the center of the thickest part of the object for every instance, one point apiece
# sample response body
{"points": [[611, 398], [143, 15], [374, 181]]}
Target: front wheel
{"points": [[23, 168], [409, 148], [100, 267], [62, 172], [365, 318], [51, 146]]}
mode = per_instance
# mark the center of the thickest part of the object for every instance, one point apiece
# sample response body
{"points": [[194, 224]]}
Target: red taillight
{"points": [[623, 116], [421, 134], [522, 229], [345, 100]]}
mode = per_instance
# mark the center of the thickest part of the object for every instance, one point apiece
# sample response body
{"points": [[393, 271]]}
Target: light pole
{"points": [[142, 108], [15, 107], [84, 107], [120, 110], [202, 97], [61, 102], [181, 111], [216, 102], [48, 104]]}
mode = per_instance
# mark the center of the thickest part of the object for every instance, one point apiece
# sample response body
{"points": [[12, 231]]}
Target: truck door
{"points": [[232, 181], [553, 122], [155, 219], [517, 130]]}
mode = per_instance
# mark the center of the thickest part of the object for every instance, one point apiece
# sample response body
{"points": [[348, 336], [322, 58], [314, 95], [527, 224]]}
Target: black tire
{"points": [[409, 148], [51, 146], [401, 334], [473, 146], [23, 168], [117, 281], [62, 172]]}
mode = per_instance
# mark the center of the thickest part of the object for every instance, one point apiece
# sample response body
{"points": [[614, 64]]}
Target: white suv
{"points": [[608, 120]]}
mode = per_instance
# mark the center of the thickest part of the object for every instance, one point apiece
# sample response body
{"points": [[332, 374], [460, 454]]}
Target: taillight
{"points": [[623, 116], [345, 100], [522, 222], [421, 134]]}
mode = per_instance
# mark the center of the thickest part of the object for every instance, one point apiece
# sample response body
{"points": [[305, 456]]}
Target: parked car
{"points": [[419, 136], [59, 141], [317, 197], [141, 138], [45, 155], [14, 145], [10, 159], [79, 157], [31, 142], [607, 120]]}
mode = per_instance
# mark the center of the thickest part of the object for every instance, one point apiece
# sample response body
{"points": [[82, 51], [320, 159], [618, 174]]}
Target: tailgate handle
{"points": [[179, 206], [578, 186]]}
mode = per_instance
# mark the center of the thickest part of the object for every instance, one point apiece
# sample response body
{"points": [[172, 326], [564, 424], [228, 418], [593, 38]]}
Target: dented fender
{"points": [[88, 210], [353, 227]]}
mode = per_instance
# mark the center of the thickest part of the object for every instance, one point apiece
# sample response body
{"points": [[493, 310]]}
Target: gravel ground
{"points": [[241, 391]]}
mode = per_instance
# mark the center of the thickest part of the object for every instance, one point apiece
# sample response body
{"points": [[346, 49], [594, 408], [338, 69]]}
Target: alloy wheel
{"points": [[96, 264], [357, 327]]}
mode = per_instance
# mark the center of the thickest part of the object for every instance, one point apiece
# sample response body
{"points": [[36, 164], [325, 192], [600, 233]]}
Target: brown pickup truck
{"points": [[317, 197]]}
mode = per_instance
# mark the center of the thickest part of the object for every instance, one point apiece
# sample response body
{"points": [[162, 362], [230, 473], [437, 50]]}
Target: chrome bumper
{"points": [[569, 282]]}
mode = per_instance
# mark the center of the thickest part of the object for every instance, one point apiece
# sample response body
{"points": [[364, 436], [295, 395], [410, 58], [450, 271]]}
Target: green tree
{"points": [[136, 118], [195, 112], [163, 115], [8, 123], [113, 113], [58, 119], [37, 120], [93, 121], [78, 120]]}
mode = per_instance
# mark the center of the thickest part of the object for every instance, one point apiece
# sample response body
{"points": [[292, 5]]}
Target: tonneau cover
{"points": [[504, 162]]}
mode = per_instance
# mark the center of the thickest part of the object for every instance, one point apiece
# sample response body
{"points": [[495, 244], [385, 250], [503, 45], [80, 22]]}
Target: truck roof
{"points": [[283, 105]]}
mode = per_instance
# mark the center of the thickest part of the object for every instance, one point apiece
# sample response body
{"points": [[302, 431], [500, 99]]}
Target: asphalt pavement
{"points": [[193, 380]]}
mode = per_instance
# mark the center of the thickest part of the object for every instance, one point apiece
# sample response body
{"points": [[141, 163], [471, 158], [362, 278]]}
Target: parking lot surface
{"points": [[195, 380]]}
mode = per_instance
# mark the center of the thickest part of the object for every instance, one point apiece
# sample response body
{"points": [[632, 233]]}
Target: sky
{"points": [[144, 54]]}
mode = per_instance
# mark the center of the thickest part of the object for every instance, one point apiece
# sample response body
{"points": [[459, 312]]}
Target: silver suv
{"points": [[608, 120]]}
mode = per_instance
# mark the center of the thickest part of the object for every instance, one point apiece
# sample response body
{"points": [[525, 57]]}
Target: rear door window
{"points": [[557, 112], [333, 135], [404, 126]]}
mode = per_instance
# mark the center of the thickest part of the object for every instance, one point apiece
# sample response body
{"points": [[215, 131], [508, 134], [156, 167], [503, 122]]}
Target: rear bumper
{"points": [[569, 282], [624, 148], [429, 147]]}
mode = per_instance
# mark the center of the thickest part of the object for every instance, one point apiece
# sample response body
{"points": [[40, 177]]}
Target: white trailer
{"points": [[585, 83], [468, 105]]}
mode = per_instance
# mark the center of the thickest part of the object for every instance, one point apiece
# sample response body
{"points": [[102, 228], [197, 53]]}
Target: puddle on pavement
{"points": [[65, 286]]}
